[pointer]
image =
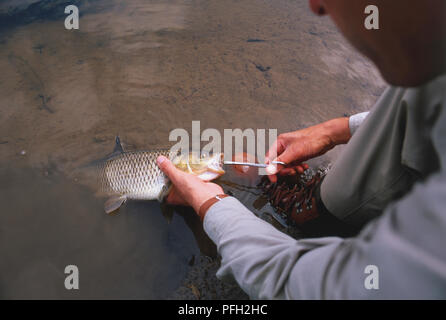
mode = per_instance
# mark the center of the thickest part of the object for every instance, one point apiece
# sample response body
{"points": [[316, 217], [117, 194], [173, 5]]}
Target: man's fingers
{"points": [[272, 169], [289, 156], [174, 198], [292, 169], [287, 172], [276, 149], [275, 168], [283, 157], [272, 178], [168, 168]]}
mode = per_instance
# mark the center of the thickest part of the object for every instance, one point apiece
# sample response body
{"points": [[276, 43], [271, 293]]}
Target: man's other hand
{"points": [[295, 147]]}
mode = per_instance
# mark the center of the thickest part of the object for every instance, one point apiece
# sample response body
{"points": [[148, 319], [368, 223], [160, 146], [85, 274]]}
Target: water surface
{"points": [[141, 69]]}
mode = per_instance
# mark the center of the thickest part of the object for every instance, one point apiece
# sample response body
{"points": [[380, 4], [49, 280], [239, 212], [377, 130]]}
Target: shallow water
{"points": [[141, 69], [48, 223]]}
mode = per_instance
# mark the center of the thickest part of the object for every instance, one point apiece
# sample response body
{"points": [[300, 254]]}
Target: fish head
{"points": [[206, 167], [214, 165]]}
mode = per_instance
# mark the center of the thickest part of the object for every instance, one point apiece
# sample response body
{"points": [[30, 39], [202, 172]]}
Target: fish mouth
{"points": [[205, 163], [216, 164]]}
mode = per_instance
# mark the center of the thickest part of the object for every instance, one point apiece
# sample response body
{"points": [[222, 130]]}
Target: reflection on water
{"points": [[141, 69]]}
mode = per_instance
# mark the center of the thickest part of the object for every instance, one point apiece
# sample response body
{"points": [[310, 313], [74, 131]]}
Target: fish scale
{"points": [[135, 174]]}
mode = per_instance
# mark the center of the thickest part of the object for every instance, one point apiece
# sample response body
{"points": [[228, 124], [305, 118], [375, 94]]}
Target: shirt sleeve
{"points": [[355, 121], [404, 245]]}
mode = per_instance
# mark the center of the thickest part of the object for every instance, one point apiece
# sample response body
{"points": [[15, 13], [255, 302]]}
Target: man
{"points": [[390, 178]]}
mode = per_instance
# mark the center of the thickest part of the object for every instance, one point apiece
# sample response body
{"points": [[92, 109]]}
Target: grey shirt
{"points": [[405, 244]]}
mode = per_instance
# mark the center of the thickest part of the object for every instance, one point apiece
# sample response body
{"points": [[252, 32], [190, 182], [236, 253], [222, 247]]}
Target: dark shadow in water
{"points": [[47, 223], [205, 244], [41, 10]]}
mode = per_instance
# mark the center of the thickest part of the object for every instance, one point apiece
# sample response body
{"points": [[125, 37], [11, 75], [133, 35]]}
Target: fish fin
{"points": [[114, 203], [165, 191], [167, 211], [118, 150], [118, 146]]}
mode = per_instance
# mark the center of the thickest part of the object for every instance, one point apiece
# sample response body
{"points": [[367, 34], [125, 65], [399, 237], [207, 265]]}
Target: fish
{"points": [[135, 175]]}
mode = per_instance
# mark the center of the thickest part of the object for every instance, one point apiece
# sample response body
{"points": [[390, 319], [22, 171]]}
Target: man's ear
{"points": [[317, 6]]}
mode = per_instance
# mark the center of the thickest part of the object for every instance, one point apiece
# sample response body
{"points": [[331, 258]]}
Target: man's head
{"points": [[410, 46]]}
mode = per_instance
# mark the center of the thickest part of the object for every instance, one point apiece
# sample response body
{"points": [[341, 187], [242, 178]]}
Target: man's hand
{"points": [[187, 189], [295, 147]]}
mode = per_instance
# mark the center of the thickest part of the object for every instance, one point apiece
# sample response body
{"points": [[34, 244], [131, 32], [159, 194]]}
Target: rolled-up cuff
{"points": [[355, 121], [223, 214]]}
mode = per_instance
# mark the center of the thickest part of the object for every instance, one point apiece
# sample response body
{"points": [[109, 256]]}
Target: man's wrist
{"points": [[209, 203], [338, 130]]}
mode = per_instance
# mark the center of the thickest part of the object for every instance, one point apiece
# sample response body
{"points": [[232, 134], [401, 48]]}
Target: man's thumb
{"points": [[166, 166], [285, 157]]}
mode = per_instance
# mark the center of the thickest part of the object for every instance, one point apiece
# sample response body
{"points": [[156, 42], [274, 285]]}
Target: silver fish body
{"points": [[135, 175]]}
